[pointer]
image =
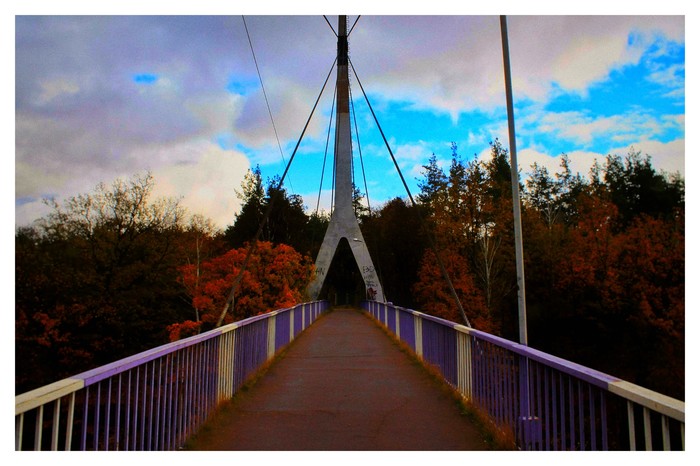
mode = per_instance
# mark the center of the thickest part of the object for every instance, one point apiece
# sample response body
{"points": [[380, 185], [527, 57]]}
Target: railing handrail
{"points": [[51, 392], [659, 402], [546, 401]]}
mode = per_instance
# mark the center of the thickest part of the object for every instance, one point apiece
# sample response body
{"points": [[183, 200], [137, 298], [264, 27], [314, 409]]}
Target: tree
{"points": [[200, 242], [248, 220], [286, 222], [95, 280], [396, 240], [434, 296], [276, 277], [637, 188]]}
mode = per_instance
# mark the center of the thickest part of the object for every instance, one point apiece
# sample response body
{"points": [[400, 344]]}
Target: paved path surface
{"points": [[343, 385]]}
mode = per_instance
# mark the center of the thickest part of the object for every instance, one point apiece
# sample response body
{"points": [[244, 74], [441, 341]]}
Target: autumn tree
{"points": [[276, 277], [95, 280], [434, 296]]}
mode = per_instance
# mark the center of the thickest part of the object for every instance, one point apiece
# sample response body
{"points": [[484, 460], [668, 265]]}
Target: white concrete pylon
{"points": [[343, 223]]}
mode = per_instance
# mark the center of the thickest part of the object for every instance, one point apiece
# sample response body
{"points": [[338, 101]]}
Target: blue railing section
{"points": [[156, 399], [544, 402]]}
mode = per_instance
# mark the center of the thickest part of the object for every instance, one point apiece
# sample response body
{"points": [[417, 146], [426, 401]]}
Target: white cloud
{"points": [[207, 184], [53, 88], [666, 156], [454, 64], [579, 162]]}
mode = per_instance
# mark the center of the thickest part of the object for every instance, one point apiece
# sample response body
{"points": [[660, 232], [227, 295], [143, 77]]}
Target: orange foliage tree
{"points": [[432, 292], [276, 277]]}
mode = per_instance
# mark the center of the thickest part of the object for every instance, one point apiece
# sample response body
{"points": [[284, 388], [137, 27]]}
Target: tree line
{"points": [[604, 259], [115, 272]]}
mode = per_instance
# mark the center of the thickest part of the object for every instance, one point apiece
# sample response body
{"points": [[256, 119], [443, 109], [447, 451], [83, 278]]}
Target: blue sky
{"points": [[101, 97]]}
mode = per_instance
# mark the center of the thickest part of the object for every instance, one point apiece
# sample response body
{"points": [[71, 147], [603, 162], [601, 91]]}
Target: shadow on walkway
{"points": [[343, 385]]}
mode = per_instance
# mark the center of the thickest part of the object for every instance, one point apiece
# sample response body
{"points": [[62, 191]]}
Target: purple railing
{"points": [[156, 399], [545, 402]]}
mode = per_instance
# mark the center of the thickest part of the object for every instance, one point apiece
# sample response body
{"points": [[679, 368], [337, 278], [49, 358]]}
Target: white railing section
{"points": [[546, 402], [156, 399]]}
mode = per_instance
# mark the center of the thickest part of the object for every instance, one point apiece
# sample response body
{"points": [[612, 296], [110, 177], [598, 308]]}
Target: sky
{"points": [[102, 97]]}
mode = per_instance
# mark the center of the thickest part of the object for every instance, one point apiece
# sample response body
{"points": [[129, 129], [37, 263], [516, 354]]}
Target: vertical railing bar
{"points": [[69, 422], [539, 382], [207, 378], [581, 431], [169, 403], [470, 365], [39, 421], [514, 391], [197, 385], [19, 432], [555, 426], [149, 439], [83, 440], [127, 421], [108, 409], [177, 408], [504, 388], [548, 418], [185, 396], [119, 412], [156, 441], [202, 384], [591, 422], [55, 424], [136, 408], [647, 428], [603, 421], [532, 403], [189, 390], [572, 417], [683, 436], [144, 395], [665, 433], [96, 434], [562, 411], [630, 426]]}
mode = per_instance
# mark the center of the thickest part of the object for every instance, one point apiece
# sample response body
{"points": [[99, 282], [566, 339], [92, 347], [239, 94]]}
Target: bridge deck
{"points": [[343, 385]]}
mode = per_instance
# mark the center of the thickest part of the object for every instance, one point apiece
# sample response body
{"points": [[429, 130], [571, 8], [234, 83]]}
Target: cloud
{"points": [[207, 183], [454, 64], [666, 156]]}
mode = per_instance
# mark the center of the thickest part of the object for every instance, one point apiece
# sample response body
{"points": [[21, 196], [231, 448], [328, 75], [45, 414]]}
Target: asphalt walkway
{"points": [[343, 385]]}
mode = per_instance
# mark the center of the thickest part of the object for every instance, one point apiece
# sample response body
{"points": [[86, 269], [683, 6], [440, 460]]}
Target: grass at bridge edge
{"points": [[496, 437]]}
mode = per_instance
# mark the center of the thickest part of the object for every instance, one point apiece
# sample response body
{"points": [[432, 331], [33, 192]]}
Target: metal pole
{"points": [[530, 428], [520, 269]]}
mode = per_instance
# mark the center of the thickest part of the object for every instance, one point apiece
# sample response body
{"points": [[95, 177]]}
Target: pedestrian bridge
{"points": [[344, 386]]}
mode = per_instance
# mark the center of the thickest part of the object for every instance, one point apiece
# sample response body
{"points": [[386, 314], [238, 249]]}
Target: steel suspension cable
{"points": [[413, 203], [325, 154], [359, 150], [330, 25], [353, 25], [257, 68], [251, 246]]}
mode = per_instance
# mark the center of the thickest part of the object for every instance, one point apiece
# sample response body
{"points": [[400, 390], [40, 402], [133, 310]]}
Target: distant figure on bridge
{"points": [[371, 293]]}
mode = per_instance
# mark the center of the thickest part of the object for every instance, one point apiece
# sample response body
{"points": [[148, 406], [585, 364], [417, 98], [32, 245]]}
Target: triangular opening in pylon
{"points": [[343, 284]]}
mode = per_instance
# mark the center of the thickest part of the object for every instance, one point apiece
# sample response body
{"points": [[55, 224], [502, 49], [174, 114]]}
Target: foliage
{"points": [[604, 259], [286, 221], [114, 272], [95, 280], [276, 277]]}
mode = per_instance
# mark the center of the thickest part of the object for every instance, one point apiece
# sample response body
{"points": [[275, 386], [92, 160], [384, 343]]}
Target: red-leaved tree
{"points": [[276, 277]]}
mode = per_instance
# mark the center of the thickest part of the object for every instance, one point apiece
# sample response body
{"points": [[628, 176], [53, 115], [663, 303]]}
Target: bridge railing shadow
{"points": [[544, 402], [156, 399]]}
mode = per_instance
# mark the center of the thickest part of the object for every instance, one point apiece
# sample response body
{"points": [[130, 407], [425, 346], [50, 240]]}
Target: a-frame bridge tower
{"points": [[343, 223]]}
